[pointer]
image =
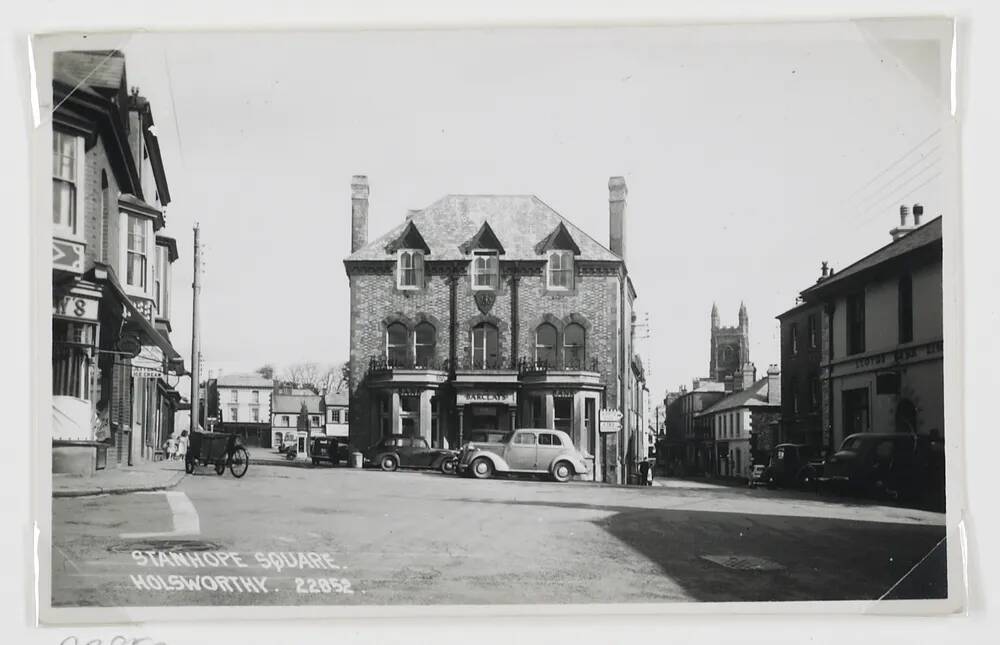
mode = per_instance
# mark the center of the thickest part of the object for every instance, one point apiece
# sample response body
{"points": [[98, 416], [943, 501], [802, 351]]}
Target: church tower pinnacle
{"points": [[715, 316]]}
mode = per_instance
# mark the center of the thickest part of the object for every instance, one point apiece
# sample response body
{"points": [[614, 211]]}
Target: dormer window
{"points": [[485, 270], [560, 270], [409, 269]]}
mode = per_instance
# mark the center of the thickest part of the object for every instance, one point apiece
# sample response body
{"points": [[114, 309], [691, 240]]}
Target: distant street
{"points": [[330, 536]]}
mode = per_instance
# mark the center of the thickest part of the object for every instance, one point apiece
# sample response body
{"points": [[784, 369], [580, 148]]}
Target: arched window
{"points": [[574, 346], [424, 340], [485, 346], [545, 344], [396, 347]]}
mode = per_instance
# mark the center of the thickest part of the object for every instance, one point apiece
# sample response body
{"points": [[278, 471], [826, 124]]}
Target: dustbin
{"points": [[357, 460]]}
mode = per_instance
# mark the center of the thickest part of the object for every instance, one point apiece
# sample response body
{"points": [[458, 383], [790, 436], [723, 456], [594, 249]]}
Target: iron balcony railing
{"points": [[381, 365]]}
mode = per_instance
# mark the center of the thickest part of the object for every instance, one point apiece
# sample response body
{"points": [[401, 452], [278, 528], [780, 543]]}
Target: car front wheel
{"points": [[562, 472], [448, 466], [389, 463], [481, 468]]}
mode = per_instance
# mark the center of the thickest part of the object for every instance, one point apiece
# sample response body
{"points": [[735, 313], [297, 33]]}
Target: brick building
{"points": [[801, 358], [490, 312], [112, 403]]}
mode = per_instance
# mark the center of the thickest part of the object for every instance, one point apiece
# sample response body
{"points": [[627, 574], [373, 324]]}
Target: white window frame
{"points": [[143, 287], [234, 396], [255, 397], [551, 269], [492, 273], [234, 413], [416, 258], [254, 414], [65, 229]]}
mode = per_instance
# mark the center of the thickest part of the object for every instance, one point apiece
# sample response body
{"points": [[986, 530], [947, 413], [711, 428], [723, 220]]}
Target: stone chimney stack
{"points": [[918, 212], [359, 212], [773, 385], [617, 194]]}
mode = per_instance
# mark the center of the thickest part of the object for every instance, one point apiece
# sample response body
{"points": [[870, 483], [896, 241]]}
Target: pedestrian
{"points": [[650, 467], [172, 448], [182, 446]]}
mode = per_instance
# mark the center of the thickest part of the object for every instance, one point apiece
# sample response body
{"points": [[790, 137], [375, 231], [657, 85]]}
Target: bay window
{"points": [[135, 268]]}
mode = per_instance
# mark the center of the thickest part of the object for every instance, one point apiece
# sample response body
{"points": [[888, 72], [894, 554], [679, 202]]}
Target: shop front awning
{"points": [[134, 322]]}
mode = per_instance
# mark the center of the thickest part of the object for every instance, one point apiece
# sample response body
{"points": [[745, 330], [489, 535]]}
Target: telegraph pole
{"points": [[195, 339]]}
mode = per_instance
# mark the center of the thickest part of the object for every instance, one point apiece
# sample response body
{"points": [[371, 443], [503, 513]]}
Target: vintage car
{"points": [[527, 450], [332, 449], [398, 451], [289, 441], [792, 465], [883, 464]]}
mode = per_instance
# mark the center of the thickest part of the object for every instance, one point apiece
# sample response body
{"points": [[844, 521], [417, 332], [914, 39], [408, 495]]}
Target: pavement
{"points": [[342, 536], [160, 475]]}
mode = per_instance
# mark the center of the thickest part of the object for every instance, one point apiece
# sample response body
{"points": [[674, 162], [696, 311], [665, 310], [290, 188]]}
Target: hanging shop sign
{"points": [[129, 346], [485, 397], [67, 255], [148, 363], [74, 307]]}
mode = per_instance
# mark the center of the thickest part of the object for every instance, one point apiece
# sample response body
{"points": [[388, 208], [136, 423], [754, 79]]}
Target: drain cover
{"points": [[744, 562], [164, 545]]}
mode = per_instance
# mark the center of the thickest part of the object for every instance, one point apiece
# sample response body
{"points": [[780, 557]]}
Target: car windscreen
{"points": [[853, 443]]}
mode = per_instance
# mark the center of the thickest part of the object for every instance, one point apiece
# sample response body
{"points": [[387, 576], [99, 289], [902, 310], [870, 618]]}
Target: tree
{"points": [[266, 371], [344, 376], [307, 375]]}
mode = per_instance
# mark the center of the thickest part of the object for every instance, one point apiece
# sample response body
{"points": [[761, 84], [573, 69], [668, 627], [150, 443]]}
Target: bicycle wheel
{"points": [[239, 462]]}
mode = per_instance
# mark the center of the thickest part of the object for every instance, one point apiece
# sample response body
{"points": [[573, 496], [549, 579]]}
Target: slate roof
{"points": [[755, 396], [94, 69], [337, 398], [245, 380], [929, 233], [520, 222], [290, 404]]}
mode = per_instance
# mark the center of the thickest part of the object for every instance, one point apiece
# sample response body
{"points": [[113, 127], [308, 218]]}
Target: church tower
{"points": [[729, 350]]}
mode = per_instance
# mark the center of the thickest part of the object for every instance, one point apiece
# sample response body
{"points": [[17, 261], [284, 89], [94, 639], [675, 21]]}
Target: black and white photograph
{"points": [[356, 321]]}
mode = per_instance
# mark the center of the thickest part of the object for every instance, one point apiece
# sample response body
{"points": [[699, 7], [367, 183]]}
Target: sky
{"points": [[752, 153]]}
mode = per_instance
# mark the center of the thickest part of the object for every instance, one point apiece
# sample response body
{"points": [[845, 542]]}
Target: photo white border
{"points": [[954, 345]]}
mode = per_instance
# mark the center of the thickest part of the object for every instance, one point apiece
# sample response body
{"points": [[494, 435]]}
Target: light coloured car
{"points": [[526, 450]]}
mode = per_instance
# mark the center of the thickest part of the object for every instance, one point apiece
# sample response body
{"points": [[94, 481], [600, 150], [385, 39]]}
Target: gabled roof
{"points": [[337, 398], [245, 380], [520, 222], [290, 404], [484, 239], [558, 240], [754, 396], [94, 70], [927, 238], [408, 238]]}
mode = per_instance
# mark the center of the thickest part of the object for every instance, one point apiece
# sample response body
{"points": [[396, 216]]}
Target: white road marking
{"points": [[185, 518]]}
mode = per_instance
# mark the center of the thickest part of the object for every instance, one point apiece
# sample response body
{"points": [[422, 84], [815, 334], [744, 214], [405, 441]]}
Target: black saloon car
{"points": [[331, 449], [792, 465], [878, 464], [397, 451]]}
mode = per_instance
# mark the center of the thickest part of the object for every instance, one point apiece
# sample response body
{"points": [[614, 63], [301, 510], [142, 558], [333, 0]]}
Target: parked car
{"points": [[758, 475], [793, 465], [880, 464], [397, 451], [333, 449], [289, 442], [527, 450]]}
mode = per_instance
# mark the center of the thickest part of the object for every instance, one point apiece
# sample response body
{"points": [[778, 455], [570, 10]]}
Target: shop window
{"points": [[424, 340], [409, 269], [485, 270], [563, 414], [71, 360], [396, 347], [545, 344], [856, 323], [574, 346], [905, 309], [485, 346]]}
